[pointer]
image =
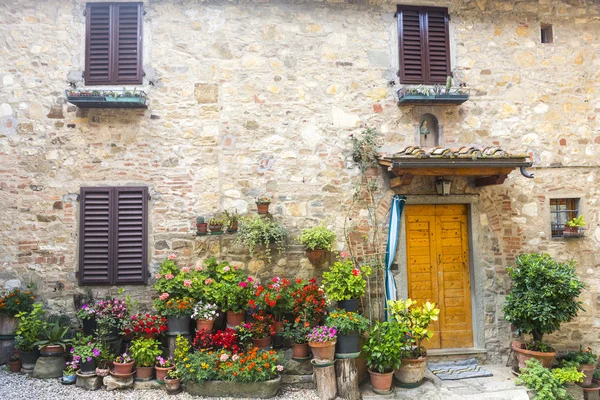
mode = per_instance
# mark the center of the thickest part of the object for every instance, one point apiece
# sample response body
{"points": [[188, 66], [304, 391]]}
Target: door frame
{"points": [[476, 270]]}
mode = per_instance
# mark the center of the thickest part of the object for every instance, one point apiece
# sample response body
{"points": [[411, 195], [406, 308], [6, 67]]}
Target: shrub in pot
{"points": [[144, 353], [233, 292], [383, 351], [585, 361], [543, 296], [322, 340], [317, 240], [276, 297], [415, 320], [31, 326], [346, 283], [349, 325], [123, 364], [54, 341]]}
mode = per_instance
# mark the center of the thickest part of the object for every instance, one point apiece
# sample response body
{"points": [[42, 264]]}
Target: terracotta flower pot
{"points": [[263, 208], [235, 319], [15, 366], [523, 355], [202, 229], [151, 335], [172, 385], [123, 368], [381, 382], [300, 350], [315, 255], [411, 371], [161, 373], [323, 351], [215, 229], [262, 342], [233, 227], [144, 372], [102, 371], [205, 324], [278, 326], [51, 351], [588, 371]]}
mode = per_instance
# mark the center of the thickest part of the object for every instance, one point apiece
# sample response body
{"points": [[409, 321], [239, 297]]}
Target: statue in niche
{"points": [[424, 130]]}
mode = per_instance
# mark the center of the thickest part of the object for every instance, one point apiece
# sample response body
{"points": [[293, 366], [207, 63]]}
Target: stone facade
{"points": [[253, 98]]}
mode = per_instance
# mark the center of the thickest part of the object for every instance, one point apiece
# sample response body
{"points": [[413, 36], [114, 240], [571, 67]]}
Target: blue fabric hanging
{"points": [[395, 212]]}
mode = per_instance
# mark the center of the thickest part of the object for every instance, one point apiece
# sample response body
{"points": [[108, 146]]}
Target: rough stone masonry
{"points": [[258, 97]]}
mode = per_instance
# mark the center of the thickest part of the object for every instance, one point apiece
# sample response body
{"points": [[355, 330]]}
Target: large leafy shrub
{"points": [[540, 379], [543, 296], [385, 347]]}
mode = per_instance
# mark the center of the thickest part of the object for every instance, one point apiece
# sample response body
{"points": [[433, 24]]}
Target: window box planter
{"points": [[455, 97], [107, 99], [573, 232], [259, 390]]}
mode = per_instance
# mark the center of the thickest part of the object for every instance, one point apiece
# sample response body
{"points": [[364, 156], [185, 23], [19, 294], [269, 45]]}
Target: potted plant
{"points": [[260, 330], [205, 314], [144, 353], [162, 367], [234, 289], [201, 226], [574, 227], [585, 362], [231, 221], [14, 361], [87, 316], [216, 225], [543, 296], [262, 204], [542, 381], [172, 381], [296, 332], [103, 361], [308, 301], [346, 284], [123, 364], [322, 340], [31, 325], [145, 325], [178, 313], [70, 372], [415, 320], [383, 351], [348, 324], [317, 240], [276, 297], [53, 341], [110, 315], [84, 352], [256, 231], [12, 303]]}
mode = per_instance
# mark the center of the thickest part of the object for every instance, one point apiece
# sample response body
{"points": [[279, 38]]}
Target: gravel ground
{"points": [[21, 386]]}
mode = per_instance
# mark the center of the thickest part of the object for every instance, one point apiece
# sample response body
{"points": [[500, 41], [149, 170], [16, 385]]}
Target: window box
{"points": [[107, 99], [573, 232], [417, 96]]}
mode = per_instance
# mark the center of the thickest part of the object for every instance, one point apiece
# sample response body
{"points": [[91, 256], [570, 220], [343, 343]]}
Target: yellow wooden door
{"points": [[437, 247]]}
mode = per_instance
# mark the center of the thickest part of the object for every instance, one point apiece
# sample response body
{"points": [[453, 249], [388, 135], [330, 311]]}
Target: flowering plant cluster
{"points": [[111, 313], [205, 311], [203, 340], [226, 340], [87, 311], [123, 359], [344, 281], [235, 293], [183, 307], [71, 368], [347, 321], [260, 328], [276, 296], [145, 324], [164, 362], [309, 300], [322, 334], [84, 349], [296, 331], [16, 301]]}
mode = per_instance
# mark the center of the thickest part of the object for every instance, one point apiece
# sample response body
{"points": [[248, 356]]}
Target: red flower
{"points": [[355, 272]]}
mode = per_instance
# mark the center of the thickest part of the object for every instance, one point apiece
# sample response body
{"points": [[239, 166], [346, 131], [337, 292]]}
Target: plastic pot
{"points": [[88, 367], [178, 325], [349, 305], [347, 343]]}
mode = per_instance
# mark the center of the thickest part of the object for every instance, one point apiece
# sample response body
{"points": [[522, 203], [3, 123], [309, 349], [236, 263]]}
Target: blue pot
{"points": [[69, 378]]}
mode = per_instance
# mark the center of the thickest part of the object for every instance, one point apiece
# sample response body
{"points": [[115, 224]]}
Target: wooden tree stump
{"points": [[324, 375], [347, 379]]}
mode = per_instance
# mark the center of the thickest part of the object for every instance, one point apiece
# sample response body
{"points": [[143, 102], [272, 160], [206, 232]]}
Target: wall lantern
{"points": [[442, 186]]}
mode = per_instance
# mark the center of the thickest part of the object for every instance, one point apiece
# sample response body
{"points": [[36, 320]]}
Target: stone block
{"points": [[147, 385], [49, 367], [259, 390], [90, 382], [56, 111], [113, 383], [206, 93], [298, 381], [294, 367]]}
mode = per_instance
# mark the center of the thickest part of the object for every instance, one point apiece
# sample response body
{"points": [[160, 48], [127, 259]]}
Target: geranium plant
{"points": [[235, 294], [169, 279], [226, 340], [344, 281], [317, 238], [145, 324], [415, 320], [385, 346], [308, 300], [183, 307], [543, 296], [275, 296], [347, 322], [144, 351], [322, 334], [205, 311], [16, 301]]}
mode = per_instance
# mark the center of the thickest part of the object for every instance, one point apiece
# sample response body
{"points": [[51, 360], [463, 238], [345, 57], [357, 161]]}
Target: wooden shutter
{"points": [[131, 235], [113, 235], [424, 47], [94, 236], [113, 44]]}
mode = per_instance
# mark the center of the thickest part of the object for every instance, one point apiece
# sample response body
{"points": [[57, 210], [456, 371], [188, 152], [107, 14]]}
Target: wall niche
{"points": [[429, 127]]}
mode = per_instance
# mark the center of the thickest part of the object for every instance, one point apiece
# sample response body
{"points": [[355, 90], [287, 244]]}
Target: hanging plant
{"points": [[256, 231]]}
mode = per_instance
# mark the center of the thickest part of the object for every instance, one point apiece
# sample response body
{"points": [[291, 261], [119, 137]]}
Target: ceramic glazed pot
{"points": [[315, 255], [205, 324], [349, 305], [412, 371], [381, 382], [144, 372], [262, 342], [523, 355], [178, 325], [123, 368], [348, 344], [172, 385], [15, 366], [235, 319], [300, 350], [161, 373], [588, 371], [323, 351], [69, 378]]}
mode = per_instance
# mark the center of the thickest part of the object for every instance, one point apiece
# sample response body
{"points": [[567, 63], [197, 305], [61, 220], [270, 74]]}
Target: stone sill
{"points": [[455, 352]]}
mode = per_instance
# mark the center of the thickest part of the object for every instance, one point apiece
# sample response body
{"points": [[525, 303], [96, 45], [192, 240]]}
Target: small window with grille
{"points": [[562, 211]]}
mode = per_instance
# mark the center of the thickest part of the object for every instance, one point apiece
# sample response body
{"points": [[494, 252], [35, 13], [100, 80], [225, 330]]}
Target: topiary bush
{"points": [[544, 295]]}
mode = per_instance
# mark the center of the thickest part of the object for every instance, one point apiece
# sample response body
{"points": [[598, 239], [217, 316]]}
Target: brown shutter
{"points": [[131, 234], [94, 236], [127, 53], [423, 44], [98, 58]]}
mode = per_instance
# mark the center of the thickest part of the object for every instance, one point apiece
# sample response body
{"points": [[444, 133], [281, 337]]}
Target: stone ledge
{"points": [[259, 390]]}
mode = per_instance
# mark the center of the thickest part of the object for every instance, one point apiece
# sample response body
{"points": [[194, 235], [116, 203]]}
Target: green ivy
{"points": [[256, 231], [540, 379], [385, 347]]}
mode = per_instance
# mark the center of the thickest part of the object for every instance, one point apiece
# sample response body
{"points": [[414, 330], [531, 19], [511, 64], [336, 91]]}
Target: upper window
{"points": [[113, 50], [113, 235], [424, 44], [562, 211]]}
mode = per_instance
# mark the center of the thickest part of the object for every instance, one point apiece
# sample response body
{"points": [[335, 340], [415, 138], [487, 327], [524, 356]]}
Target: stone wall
{"points": [[253, 98]]}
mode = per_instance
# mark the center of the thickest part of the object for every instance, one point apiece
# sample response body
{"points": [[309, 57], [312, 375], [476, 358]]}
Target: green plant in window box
{"points": [[577, 222]]}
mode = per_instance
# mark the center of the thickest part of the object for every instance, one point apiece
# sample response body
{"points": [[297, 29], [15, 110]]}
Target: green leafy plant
{"points": [[296, 331], [344, 281], [568, 374], [218, 220], [579, 357], [231, 218], [31, 326], [384, 348], [85, 349], [144, 352], [347, 322], [416, 320], [173, 374], [576, 222], [544, 295], [54, 335], [540, 379], [256, 231], [16, 301], [318, 238], [182, 348]]}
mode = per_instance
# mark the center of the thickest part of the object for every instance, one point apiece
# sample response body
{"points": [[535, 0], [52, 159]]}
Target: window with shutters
{"points": [[113, 235], [113, 44], [424, 45]]}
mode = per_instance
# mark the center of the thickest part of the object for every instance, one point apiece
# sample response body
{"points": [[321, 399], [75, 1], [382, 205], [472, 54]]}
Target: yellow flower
{"points": [[187, 365], [191, 370], [185, 359], [204, 366]]}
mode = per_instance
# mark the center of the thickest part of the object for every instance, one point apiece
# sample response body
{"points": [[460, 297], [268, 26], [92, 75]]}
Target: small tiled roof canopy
{"points": [[489, 166]]}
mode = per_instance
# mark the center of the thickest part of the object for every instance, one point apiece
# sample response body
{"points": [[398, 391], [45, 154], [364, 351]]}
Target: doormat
{"points": [[455, 370]]}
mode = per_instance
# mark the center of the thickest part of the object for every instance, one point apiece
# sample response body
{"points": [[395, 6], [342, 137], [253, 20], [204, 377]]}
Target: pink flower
{"points": [[199, 268], [235, 357], [169, 276], [208, 281], [224, 357], [187, 283], [235, 268], [344, 254], [226, 269], [172, 256], [158, 276], [185, 269], [280, 368], [243, 284], [250, 279], [164, 296]]}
